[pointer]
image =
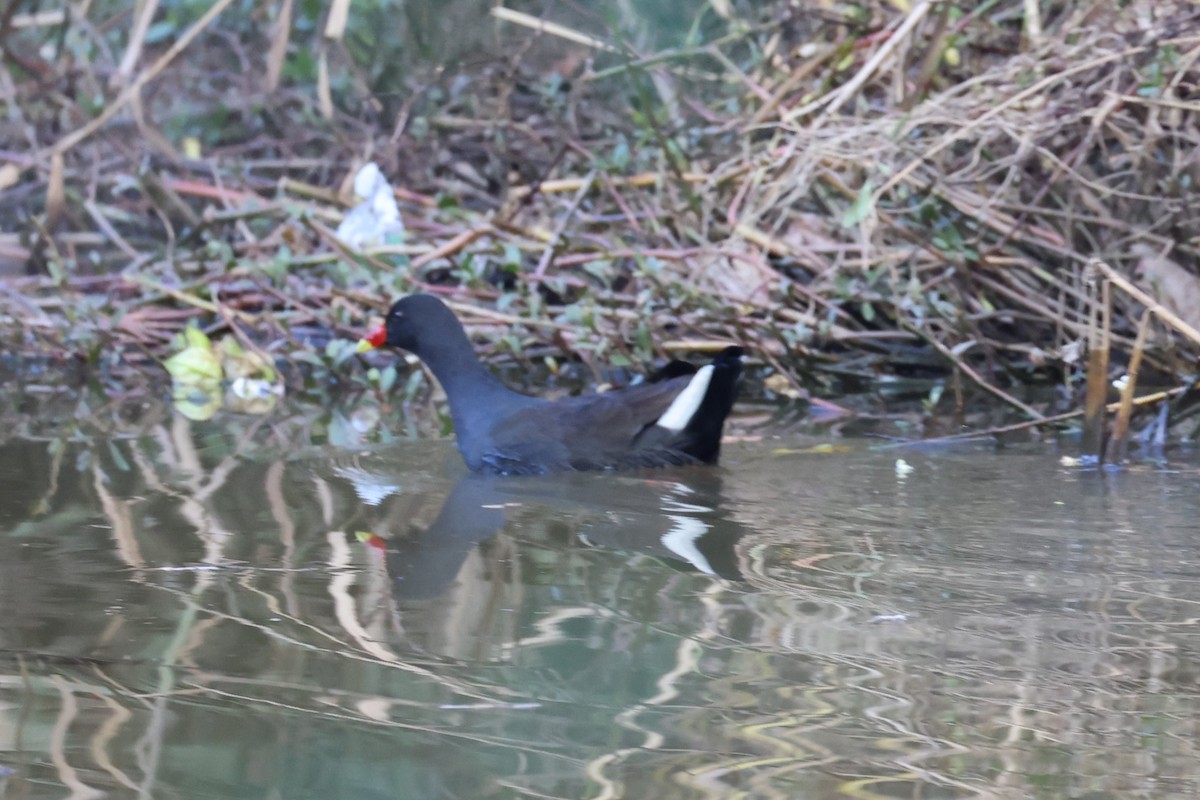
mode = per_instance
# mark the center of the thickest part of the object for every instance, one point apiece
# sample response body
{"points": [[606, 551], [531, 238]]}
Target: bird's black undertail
{"points": [[706, 424]]}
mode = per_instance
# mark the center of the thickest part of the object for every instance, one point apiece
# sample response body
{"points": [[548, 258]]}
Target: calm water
{"points": [[178, 620]]}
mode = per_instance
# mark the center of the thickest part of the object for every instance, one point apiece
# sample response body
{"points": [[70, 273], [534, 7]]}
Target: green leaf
{"points": [[117, 457], [415, 380], [193, 402], [620, 155], [862, 207], [196, 362], [600, 270], [387, 378]]}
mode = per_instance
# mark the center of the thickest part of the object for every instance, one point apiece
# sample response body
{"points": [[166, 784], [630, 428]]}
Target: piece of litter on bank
{"points": [[376, 219]]}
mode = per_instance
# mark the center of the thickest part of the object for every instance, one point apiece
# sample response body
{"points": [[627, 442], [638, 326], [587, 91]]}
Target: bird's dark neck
{"points": [[476, 396]]}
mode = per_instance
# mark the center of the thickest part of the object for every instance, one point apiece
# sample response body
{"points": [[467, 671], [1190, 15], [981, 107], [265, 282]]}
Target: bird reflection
{"points": [[674, 515]]}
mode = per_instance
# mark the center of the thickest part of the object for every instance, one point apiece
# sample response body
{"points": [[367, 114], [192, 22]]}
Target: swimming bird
{"points": [[673, 419]]}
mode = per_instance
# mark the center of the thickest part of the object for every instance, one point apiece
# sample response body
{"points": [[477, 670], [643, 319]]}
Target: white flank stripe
{"points": [[686, 402]]}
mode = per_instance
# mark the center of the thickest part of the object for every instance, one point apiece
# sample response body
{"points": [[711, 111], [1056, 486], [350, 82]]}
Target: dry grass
{"points": [[915, 188]]}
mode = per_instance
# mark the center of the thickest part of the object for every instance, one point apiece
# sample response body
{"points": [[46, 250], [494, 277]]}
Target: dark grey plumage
{"points": [[504, 432]]}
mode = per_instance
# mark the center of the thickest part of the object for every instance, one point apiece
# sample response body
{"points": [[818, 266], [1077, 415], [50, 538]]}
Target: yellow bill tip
{"points": [[376, 338]]}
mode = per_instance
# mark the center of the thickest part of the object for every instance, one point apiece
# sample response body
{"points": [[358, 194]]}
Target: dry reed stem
{"points": [[279, 43], [564, 221], [453, 246], [961, 132], [76, 136], [554, 29], [1162, 312], [956, 213], [1117, 444], [1098, 344], [645, 179], [1066, 416], [976, 378], [141, 25], [834, 100]]}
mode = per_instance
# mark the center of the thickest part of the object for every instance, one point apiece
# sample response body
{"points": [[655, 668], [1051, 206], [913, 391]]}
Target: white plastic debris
{"points": [[377, 218], [255, 388]]}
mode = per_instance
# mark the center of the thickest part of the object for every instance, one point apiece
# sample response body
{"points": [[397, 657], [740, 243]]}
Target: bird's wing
{"points": [[588, 432]]}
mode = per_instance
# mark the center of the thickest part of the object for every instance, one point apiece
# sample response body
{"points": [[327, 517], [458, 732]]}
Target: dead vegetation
{"points": [[987, 191]]}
